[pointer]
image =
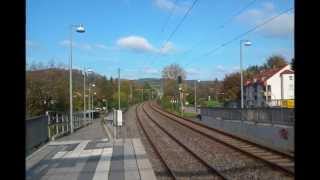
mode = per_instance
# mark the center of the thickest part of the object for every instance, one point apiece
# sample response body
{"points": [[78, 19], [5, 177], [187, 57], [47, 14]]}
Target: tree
{"points": [[231, 86], [275, 61], [172, 71], [170, 75]]}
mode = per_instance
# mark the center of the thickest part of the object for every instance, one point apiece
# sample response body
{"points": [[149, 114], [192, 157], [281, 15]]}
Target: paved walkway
{"points": [[88, 154]]}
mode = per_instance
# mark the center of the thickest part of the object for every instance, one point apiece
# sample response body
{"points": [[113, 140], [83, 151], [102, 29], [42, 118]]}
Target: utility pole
{"points": [[130, 93], [195, 96], [89, 104], [119, 89], [84, 93], [151, 94], [70, 84], [142, 95], [181, 101]]}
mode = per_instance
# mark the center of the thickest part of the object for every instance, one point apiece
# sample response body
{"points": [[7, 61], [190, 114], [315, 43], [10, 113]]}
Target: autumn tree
{"points": [[275, 61], [170, 75], [172, 71], [231, 86]]}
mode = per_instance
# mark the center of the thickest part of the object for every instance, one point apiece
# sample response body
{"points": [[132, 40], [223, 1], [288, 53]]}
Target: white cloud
{"points": [[193, 71], [65, 43], [226, 70], [135, 43], [169, 5], [167, 48], [279, 27], [150, 70], [141, 44], [282, 26], [101, 46], [83, 46]]}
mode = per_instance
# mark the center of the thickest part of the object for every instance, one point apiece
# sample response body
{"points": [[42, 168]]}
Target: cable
{"points": [[168, 18], [223, 25], [245, 33], [184, 17], [176, 28], [238, 13]]}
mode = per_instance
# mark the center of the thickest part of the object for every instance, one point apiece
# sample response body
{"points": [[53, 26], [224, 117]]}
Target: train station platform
{"points": [[90, 154]]}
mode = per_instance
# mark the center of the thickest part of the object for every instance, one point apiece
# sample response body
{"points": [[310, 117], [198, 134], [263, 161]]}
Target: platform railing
{"points": [[281, 116], [50, 126], [59, 123]]}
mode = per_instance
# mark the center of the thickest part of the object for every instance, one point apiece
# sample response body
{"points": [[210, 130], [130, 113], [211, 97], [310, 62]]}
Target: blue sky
{"points": [[132, 35]]}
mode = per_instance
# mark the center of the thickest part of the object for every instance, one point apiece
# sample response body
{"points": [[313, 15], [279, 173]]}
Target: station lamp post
{"points": [[93, 85], [92, 104], [195, 95], [84, 90], [79, 29], [246, 43]]}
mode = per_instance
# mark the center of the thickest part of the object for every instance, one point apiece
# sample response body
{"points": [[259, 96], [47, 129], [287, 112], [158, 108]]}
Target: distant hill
{"points": [[155, 82]]}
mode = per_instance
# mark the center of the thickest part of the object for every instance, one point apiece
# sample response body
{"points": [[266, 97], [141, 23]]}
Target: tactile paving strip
{"points": [[97, 145]]}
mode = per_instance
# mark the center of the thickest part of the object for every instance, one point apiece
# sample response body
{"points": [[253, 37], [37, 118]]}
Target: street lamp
{"points": [[246, 43], [195, 95], [91, 101], [181, 103], [92, 104], [84, 90], [79, 29]]}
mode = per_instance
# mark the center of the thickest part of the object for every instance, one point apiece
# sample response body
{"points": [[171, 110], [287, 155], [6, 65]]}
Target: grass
{"points": [[185, 114]]}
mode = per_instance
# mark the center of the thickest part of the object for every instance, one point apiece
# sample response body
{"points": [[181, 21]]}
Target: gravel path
{"points": [[183, 164], [234, 164]]}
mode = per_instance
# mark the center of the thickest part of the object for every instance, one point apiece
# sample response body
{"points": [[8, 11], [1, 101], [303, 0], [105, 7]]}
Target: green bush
{"points": [[212, 103], [165, 103]]}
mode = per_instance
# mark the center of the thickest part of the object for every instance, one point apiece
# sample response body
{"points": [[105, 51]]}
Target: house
{"points": [[270, 88]]}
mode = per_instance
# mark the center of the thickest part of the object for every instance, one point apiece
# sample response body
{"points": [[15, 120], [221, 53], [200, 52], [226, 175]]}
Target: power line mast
{"points": [[119, 89]]}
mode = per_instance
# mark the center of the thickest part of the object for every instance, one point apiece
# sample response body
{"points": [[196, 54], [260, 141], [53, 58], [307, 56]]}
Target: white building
{"points": [[270, 87]]}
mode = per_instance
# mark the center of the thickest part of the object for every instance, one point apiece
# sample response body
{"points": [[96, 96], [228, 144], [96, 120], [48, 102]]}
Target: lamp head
{"points": [[80, 29], [247, 43]]}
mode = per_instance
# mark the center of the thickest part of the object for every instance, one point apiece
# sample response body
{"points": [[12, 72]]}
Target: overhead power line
{"points": [[237, 13], [247, 32], [182, 20], [223, 25], [169, 16], [177, 27]]}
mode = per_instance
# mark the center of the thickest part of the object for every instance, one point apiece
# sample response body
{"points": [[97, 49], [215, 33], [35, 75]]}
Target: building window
{"points": [[269, 98], [269, 88], [291, 87], [290, 77], [255, 97]]}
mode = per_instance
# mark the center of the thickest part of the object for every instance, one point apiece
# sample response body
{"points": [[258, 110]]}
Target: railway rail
{"points": [[169, 149], [275, 159]]}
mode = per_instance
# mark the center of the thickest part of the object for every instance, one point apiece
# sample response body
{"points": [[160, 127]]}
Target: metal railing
{"points": [[59, 123], [36, 132], [48, 127], [282, 116]]}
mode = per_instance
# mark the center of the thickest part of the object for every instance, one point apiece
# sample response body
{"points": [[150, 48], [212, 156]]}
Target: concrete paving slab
{"points": [[144, 165], [117, 162], [130, 163]]}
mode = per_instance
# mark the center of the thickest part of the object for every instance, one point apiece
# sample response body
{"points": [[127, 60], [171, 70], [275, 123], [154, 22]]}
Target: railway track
{"points": [[276, 160], [180, 161]]}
